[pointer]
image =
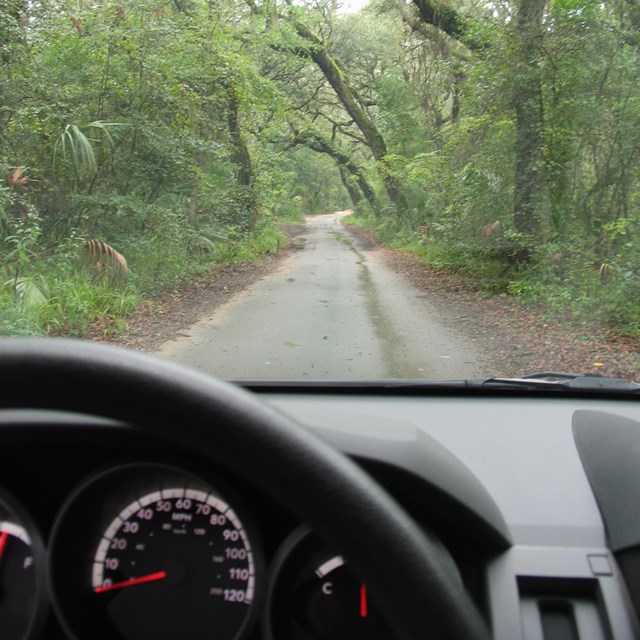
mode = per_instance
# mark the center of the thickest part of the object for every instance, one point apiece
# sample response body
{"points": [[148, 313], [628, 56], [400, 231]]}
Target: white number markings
{"points": [[208, 507]]}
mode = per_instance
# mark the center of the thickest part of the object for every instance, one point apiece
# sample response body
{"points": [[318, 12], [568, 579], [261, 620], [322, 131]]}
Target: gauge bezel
{"points": [[41, 602], [295, 552], [294, 545], [84, 518]]}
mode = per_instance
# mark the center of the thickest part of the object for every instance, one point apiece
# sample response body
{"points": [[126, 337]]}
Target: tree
{"points": [[311, 45], [529, 170], [349, 169]]}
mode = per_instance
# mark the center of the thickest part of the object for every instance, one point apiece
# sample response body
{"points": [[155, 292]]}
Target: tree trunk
{"points": [[322, 144], [242, 159], [240, 153], [440, 15], [193, 199], [354, 192], [348, 97], [529, 171]]}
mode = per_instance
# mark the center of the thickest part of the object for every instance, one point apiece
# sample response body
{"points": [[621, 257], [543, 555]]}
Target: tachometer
{"points": [[173, 560]]}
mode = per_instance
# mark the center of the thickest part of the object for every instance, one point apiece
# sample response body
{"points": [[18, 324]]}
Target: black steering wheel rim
{"points": [[230, 427]]}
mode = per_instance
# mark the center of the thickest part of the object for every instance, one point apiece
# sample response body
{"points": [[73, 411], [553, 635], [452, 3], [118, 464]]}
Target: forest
{"points": [[144, 142]]}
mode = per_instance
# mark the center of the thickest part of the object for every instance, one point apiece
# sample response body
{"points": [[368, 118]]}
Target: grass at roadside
{"points": [[55, 293], [566, 282], [513, 335]]}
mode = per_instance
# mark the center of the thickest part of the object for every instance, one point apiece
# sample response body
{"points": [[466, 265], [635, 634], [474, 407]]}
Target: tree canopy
{"points": [[506, 133]]}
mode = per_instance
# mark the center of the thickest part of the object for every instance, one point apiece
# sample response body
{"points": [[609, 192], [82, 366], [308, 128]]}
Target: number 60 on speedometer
{"points": [[175, 561]]}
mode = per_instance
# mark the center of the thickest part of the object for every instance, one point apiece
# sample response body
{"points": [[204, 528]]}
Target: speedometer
{"points": [[172, 554], [173, 560]]}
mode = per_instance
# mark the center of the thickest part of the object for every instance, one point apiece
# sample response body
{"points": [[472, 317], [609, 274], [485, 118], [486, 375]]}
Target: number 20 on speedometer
{"points": [[171, 558], [174, 563]]}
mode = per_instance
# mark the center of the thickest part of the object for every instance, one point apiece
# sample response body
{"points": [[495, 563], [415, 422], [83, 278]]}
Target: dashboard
{"points": [[530, 501]]}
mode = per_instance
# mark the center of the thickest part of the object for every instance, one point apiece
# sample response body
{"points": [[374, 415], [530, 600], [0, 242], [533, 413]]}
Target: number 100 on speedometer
{"points": [[175, 562]]}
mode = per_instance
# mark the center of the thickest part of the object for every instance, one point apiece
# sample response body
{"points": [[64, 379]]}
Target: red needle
{"points": [[129, 583], [363, 600], [3, 541]]}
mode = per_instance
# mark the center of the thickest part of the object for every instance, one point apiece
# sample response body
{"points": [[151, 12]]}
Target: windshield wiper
{"points": [[545, 381], [559, 381]]}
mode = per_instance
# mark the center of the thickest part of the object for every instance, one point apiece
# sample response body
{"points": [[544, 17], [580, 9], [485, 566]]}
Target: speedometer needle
{"points": [[151, 577]]}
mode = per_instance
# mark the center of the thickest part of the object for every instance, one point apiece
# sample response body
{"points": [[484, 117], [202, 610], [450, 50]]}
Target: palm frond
{"points": [[27, 293], [77, 148], [105, 263], [106, 127]]}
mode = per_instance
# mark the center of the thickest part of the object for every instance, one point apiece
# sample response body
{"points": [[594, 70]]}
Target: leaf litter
{"points": [[509, 337]]}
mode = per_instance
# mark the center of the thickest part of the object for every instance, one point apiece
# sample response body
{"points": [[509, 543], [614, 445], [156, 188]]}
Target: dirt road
{"points": [[330, 311]]}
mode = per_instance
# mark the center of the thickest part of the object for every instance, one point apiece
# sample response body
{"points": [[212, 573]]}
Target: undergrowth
{"points": [[563, 280], [57, 292]]}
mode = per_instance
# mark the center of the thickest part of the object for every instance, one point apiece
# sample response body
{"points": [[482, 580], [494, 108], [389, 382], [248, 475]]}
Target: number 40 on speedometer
{"points": [[176, 562]]}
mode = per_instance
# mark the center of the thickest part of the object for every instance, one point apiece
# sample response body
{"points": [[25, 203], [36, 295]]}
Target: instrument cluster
{"points": [[152, 550]]}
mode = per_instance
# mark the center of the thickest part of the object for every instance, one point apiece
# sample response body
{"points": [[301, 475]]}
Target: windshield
{"points": [[322, 190]]}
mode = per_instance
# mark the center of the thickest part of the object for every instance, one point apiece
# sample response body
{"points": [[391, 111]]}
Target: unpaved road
{"points": [[330, 311]]}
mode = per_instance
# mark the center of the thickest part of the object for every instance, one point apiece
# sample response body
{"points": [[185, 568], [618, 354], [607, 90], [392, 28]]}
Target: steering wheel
{"points": [[227, 425]]}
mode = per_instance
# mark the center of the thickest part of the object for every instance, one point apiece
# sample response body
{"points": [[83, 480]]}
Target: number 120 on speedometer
{"points": [[176, 562]]}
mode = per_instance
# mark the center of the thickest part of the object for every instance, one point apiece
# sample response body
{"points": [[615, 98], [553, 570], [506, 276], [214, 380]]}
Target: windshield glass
{"points": [[322, 190]]}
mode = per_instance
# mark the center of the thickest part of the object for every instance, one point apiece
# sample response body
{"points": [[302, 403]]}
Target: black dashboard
{"points": [[530, 500], [65, 478]]}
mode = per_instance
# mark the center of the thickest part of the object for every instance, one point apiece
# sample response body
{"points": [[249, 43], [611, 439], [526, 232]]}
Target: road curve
{"points": [[332, 311]]}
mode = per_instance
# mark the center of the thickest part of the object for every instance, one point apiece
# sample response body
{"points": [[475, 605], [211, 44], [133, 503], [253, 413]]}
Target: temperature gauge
{"points": [[331, 603], [324, 599]]}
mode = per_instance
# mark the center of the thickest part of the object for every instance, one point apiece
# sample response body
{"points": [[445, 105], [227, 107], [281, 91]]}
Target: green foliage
{"points": [[461, 177], [267, 238], [311, 186], [163, 188], [57, 302], [77, 150], [169, 135]]}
